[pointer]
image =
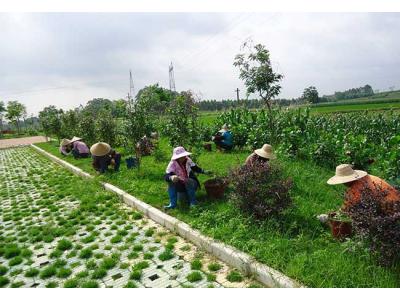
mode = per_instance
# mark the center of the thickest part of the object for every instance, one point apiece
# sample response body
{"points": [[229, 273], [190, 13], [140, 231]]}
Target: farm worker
{"points": [[357, 181], [103, 156], [65, 147], [263, 154], [181, 178], [223, 139], [79, 148]]}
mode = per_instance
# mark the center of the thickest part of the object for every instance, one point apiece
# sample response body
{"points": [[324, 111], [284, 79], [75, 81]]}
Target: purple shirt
{"points": [[81, 147]]}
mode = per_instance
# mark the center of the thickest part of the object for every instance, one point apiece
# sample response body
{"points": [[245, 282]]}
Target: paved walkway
{"points": [[7, 143], [57, 230]]}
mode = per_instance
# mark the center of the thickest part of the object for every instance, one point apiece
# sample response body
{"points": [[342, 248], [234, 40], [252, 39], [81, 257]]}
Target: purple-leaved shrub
{"points": [[260, 189]]}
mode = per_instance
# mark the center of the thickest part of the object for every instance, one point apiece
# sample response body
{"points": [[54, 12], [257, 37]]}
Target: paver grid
{"points": [[106, 249]]}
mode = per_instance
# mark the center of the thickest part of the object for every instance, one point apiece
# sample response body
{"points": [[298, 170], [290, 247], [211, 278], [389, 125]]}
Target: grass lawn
{"points": [[296, 243]]}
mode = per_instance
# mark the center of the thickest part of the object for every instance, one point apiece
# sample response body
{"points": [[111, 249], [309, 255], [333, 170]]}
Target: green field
{"points": [[355, 107]]}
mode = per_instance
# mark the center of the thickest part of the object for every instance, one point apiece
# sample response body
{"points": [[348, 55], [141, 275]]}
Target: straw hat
{"points": [[75, 138], [65, 142], [224, 128], [100, 149], [179, 152], [345, 173], [265, 151]]}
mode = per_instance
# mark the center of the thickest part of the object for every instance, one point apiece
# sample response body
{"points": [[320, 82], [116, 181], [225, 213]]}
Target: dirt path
{"points": [[8, 143]]}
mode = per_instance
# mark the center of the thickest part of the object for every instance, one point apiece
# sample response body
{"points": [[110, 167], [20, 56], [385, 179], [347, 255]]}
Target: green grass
{"points": [[234, 276], [194, 276], [294, 243]]}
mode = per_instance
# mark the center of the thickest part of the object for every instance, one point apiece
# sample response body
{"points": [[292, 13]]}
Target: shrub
{"points": [[260, 189], [378, 224]]}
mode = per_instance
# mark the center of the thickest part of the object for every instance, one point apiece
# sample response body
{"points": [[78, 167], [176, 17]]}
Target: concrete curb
{"points": [[233, 257]]}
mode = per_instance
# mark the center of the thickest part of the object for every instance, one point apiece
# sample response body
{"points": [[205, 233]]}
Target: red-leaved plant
{"points": [[378, 222], [260, 189]]}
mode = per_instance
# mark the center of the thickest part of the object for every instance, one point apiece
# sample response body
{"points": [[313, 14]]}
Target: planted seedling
{"points": [[196, 264], [90, 284], [64, 273], [52, 285], [86, 253], [166, 255], [194, 276], [48, 272], [213, 267], [99, 273], [234, 276], [130, 284]]}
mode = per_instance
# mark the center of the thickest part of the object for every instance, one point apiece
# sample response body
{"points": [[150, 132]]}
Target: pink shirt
{"points": [[81, 147]]}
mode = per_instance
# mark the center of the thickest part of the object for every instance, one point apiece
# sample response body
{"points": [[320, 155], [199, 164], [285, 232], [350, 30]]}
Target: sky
{"points": [[67, 59]]}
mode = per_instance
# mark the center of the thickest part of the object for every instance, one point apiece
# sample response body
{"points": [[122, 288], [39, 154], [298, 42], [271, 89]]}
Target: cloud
{"points": [[69, 58]]}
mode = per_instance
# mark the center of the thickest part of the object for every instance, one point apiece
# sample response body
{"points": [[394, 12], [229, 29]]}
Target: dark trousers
{"points": [[76, 154], [221, 144]]}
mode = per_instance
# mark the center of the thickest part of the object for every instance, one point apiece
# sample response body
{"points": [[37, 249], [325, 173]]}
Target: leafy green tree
{"points": [[15, 111], [106, 128], [50, 120], [120, 108], [155, 98], [69, 124], [310, 94], [86, 127], [257, 73], [2, 110], [182, 125]]}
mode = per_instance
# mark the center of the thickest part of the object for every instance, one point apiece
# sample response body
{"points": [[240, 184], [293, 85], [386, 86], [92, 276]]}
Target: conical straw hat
{"points": [[345, 173], [265, 151], [100, 149], [75, 138], [65, 142]]}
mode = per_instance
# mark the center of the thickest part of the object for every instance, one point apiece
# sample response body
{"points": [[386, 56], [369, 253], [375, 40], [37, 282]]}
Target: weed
{"points": [[48, 272], [52, 284], [99, 273], [31, 272], [130, 284], [15, 261], [166, 255], [64, 245], [86, 253], [64, 273]]}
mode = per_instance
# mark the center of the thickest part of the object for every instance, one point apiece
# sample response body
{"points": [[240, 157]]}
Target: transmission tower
{"points": [[131, 91], [171, 78]]}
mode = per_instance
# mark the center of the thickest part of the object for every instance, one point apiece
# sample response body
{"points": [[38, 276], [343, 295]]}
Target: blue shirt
{"points": [[227, 138]]}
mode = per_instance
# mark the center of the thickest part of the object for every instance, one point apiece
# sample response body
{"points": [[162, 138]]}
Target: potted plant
{"points": [[215, 187], [340, 224]]}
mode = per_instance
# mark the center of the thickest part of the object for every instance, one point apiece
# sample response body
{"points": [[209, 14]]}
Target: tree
{"points": [[310, 94], [257, 73], [50, 120], [2, 110], [106, 128], [15, 111], [69, 123], [182, 124]]}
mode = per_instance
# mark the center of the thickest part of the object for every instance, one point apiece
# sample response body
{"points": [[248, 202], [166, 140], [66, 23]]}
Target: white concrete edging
{"points": [[230, 255]]}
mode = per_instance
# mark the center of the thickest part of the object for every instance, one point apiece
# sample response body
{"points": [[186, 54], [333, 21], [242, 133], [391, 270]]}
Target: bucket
{"points": [[215, 188], [132, 162]]}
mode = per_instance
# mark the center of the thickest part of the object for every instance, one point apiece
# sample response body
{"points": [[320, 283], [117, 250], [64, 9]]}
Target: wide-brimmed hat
{"points": [[179, 152], [75, 138], [345, 173], [224, 128], [100, 149], [265, 151], [65, 142]]}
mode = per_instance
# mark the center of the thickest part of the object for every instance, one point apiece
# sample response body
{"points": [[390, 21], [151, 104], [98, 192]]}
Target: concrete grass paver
{"points": [[58, 230]]}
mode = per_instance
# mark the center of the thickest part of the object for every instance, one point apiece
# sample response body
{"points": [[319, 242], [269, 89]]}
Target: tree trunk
{"points": [[17, 121]]}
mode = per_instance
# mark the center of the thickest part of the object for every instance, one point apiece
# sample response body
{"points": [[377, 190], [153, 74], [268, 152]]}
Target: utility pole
{"points": [[237, 94]]}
